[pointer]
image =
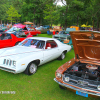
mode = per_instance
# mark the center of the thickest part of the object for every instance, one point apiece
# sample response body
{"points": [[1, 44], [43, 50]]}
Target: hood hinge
{"points": [[77, 56]]}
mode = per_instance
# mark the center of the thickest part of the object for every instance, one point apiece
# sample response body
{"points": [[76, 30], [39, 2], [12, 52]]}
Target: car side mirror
{"points": [[48, 47]]}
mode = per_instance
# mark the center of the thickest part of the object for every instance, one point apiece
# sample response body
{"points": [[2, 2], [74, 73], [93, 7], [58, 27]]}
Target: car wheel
{"points": [[31, 69], [62, 56], [37, 34]]}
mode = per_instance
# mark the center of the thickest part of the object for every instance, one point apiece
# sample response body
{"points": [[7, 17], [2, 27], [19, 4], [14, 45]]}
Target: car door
{"points": [[51, 52]]}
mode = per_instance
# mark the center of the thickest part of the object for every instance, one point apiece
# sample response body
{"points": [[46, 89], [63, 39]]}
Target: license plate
{"points": [[82, 94]]}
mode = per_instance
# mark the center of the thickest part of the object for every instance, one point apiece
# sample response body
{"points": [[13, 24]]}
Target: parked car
{"points": [[56, 29], [20, 29], [82, 73], [9, 40], [17, 30], [32, 31], [62, 35], [31, 53], [46, 26], [2, 29], [42, 29]]}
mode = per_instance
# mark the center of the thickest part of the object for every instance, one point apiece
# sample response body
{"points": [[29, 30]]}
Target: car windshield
{"points": [[34, 43], [13, 29]]}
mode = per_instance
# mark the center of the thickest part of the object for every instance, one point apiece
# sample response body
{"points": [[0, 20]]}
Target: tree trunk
{"points": [[77, 20], [66, 17], [97, 23], [11, 21], [93, 25], [34, 10], [1, 23]]}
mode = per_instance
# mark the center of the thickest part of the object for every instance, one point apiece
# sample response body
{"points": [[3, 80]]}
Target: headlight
{"points": [[14, 63], [58, 75], [98, 87], [67, 79]]}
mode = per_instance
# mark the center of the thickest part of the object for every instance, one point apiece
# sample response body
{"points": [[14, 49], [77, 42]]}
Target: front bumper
{"points": [[8, 69], [95, 93]]}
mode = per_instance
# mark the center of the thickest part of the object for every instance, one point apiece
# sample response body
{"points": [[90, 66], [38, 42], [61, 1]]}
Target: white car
{"points": [[31, 53]]}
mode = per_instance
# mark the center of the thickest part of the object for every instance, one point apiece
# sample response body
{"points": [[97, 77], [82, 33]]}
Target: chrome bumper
{"points": [[73, 88], [8, 70]]}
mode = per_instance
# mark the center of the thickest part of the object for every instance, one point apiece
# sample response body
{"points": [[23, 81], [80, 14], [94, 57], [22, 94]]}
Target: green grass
{"points": [[44, 35], [39, 86]]}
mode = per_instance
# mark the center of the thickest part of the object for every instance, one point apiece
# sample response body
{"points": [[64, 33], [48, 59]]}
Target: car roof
{"points": [[42, 38]]}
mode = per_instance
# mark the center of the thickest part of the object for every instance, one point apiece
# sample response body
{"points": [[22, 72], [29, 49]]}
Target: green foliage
{"points": [[31, 10], [12, 14], [3, 8], [50, 13], [75, 12]]}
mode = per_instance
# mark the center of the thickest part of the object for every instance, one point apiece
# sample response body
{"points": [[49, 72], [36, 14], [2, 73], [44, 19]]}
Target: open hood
{"points": [[86, 46]]}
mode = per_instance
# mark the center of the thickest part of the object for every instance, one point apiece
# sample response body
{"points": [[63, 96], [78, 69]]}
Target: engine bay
{"points": [[86, 71]]}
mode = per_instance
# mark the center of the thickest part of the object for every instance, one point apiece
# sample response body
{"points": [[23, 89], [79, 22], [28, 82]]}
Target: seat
{"points": [[48, 45]]}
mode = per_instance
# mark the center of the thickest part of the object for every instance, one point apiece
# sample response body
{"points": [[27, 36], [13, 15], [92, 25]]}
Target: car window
{"points": [[34, 43], [5, 36], [51, 43], [24, 28], [13, 29]]}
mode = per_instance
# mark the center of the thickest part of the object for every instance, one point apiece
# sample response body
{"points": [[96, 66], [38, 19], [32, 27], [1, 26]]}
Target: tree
{"points": [[32, 10], [12, 14], [3, 8], [50, 13]]}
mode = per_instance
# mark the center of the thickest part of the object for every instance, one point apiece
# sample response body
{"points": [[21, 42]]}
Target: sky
{"points": [[60, 3]]}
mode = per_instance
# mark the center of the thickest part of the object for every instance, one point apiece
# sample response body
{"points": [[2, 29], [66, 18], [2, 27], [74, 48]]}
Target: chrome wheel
{"points": [[62, 56], [32, 68]]}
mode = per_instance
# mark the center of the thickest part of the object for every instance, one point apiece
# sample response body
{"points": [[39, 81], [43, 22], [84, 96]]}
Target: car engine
{"points": [[85, 71]]}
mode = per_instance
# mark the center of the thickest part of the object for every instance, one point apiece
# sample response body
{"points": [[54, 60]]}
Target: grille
{"points": [[8, 62], [81, 82]]}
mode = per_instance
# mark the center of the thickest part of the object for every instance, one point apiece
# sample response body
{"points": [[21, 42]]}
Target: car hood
{"points": [[17, 50], [86, 46]]}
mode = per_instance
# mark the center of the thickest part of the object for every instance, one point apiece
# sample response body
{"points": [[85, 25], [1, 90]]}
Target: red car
{"points": [[20, 29], [9, 40], [32, 31]]}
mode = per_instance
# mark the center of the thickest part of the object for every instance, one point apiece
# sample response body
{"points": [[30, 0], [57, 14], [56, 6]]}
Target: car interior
{"points": [[51, 44]]}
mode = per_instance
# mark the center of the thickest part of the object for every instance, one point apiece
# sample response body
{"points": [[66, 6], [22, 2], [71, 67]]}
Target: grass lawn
{"points": [[39, 86], [44, 35]]}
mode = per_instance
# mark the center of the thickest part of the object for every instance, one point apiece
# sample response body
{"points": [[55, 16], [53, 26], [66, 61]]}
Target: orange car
{"points": [[82, 73]]}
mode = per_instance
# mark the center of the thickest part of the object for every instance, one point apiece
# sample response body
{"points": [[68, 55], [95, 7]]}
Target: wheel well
{"points": [[17, 42], [37, 62], [65, 51]]}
